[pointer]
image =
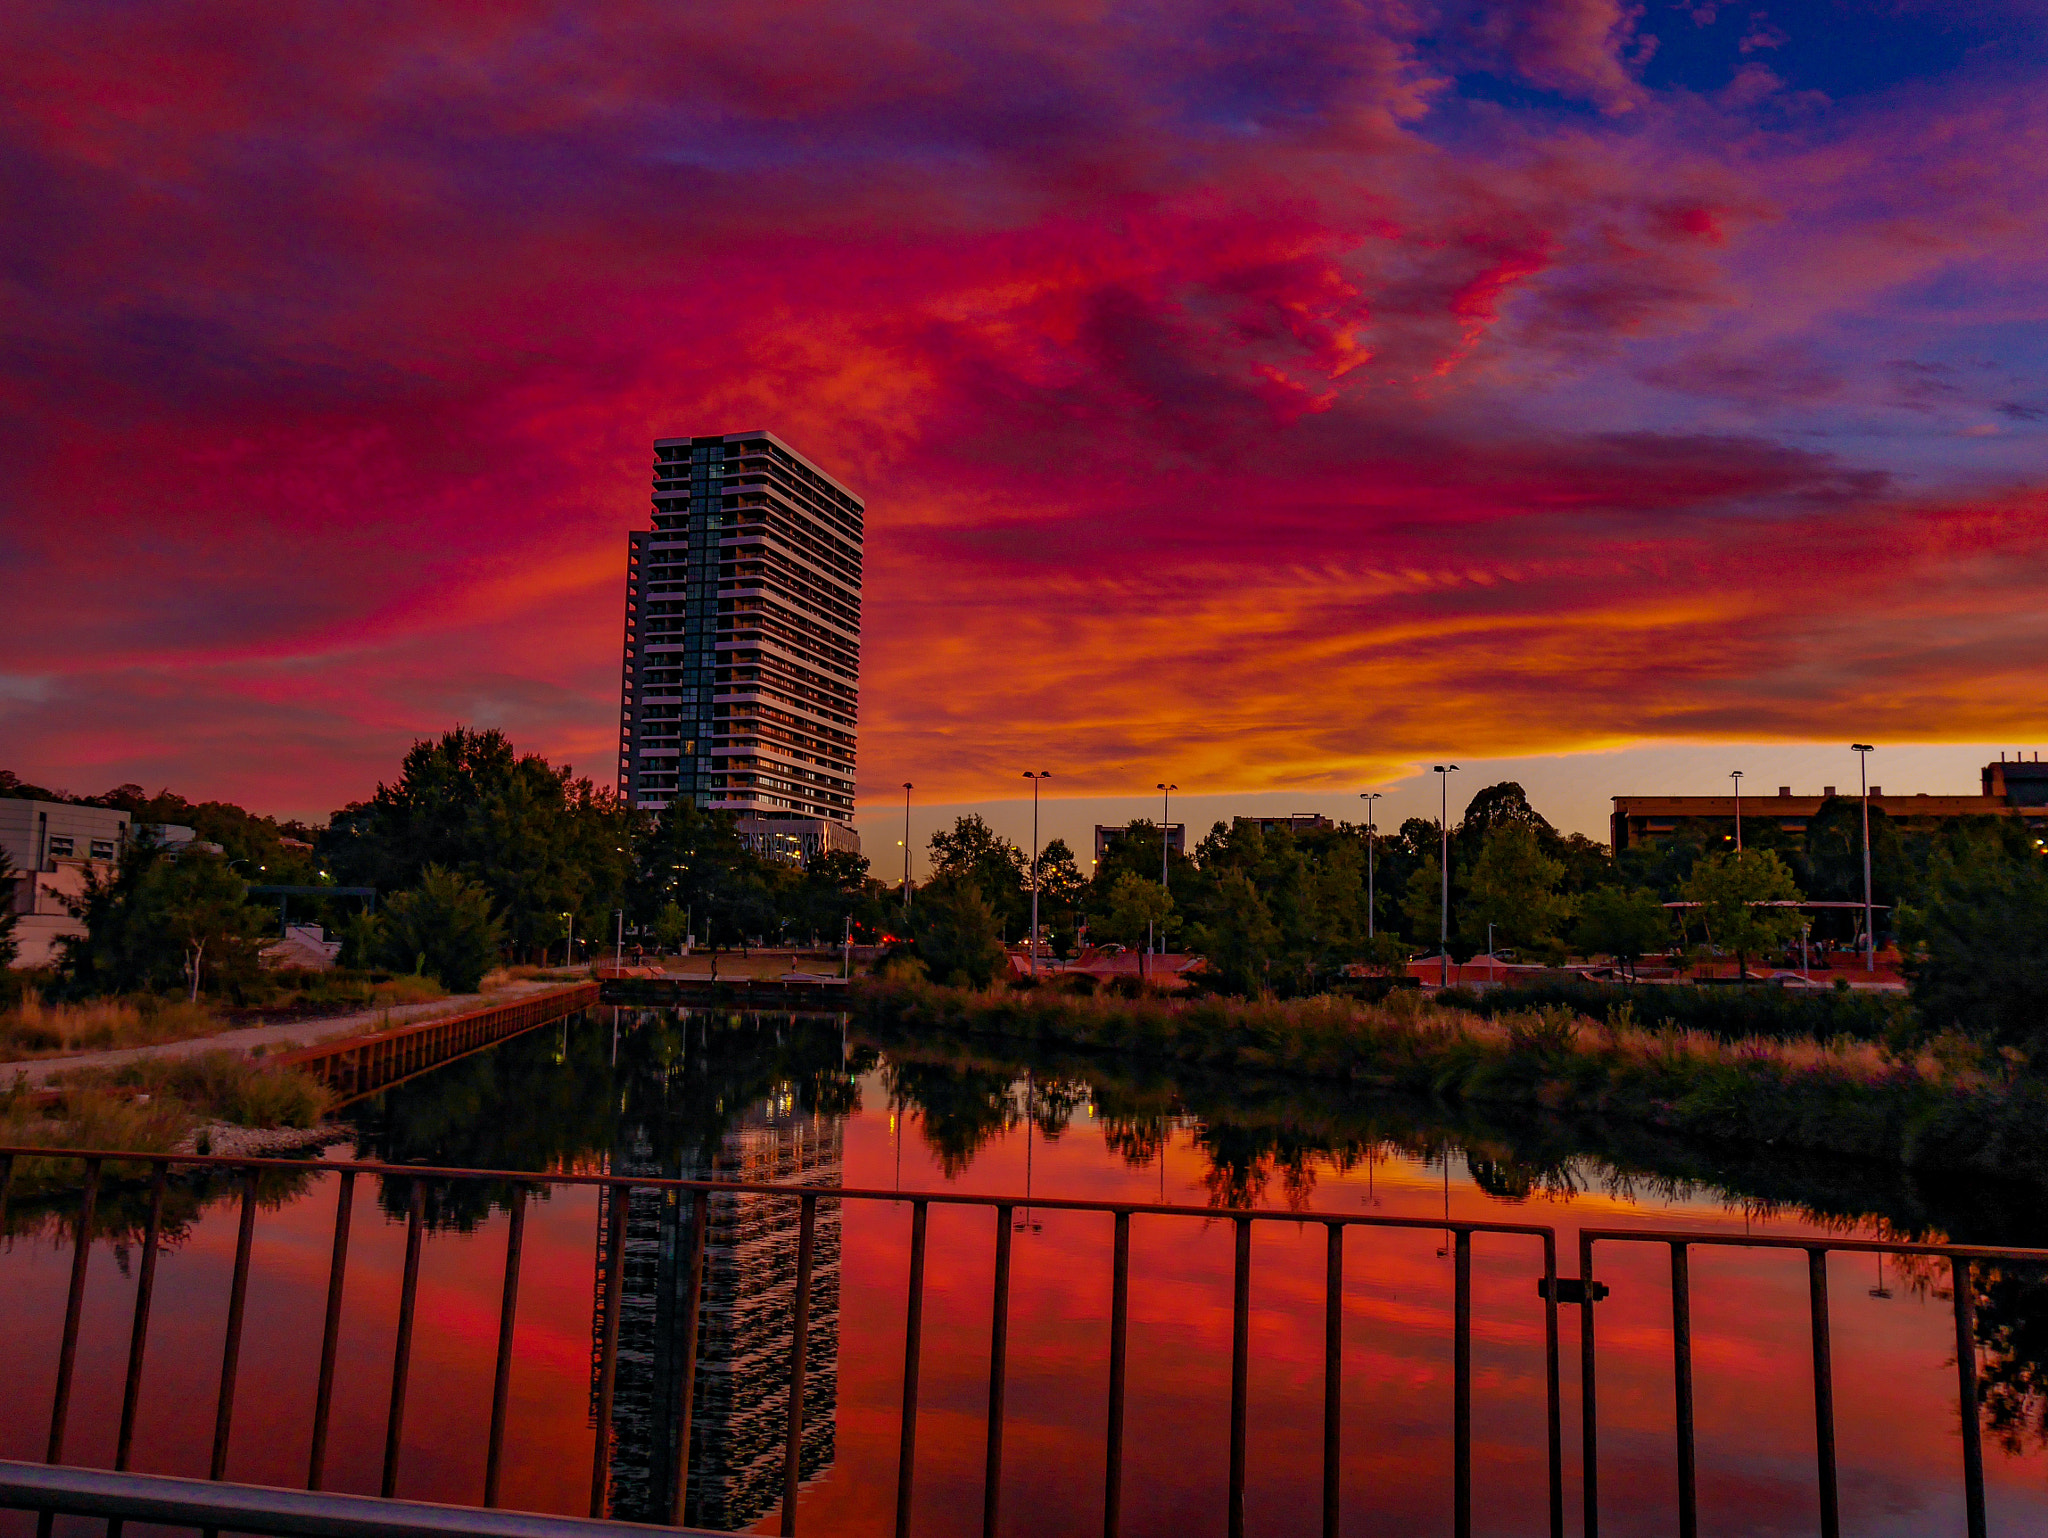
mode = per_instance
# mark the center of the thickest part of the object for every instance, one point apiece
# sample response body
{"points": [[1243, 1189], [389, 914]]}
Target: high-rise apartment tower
{"points": [[742, 668]]}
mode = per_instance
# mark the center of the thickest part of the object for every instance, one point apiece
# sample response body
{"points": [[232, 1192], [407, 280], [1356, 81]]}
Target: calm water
{"points": [[760, 1098]]}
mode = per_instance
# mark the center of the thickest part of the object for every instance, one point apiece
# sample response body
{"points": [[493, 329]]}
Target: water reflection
{"points": [[780, 1098]]}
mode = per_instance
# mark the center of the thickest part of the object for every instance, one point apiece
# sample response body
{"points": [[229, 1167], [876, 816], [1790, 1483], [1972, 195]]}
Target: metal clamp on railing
{"points": [[1571, 1289]]}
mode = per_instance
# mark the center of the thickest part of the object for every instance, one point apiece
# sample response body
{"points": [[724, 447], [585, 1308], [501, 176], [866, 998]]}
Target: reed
{"points": [[1945, 1106]]}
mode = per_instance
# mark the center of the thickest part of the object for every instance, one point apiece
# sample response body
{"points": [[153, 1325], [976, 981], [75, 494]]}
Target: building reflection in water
{"points": [[739, 1422]]}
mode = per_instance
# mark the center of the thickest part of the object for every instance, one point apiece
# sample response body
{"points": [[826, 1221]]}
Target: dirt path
{"points": [[303, 1033]]}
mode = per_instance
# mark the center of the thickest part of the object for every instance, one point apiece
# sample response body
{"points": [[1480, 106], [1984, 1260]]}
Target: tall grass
{"points": [[34, 1028], [1943, 1107]]}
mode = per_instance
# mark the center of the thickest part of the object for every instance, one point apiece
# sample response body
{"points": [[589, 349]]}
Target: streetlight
{"points": [[1736, 776], [1443, 822], [906, 847], [1368, 797], [1165, 811], [1863, 750], [1043, 774]]}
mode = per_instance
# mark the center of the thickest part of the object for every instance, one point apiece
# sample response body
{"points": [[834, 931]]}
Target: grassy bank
{"points": [[1941, 1108], [161, 1104], [34, 1028]]}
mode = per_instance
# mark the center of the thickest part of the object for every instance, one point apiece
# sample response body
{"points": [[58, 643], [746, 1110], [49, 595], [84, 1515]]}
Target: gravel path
{"points": [[303, 1033]]}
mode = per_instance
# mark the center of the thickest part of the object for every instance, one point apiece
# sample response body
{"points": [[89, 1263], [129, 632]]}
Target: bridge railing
{"points": [[95, 1165], [1961, 1258]]}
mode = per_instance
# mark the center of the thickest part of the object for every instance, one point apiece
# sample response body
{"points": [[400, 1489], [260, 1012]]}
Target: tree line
{"points": [[482, 854]]}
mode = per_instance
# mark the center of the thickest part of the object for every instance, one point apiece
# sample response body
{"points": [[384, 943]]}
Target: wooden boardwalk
{"points": [[356, 1066]]}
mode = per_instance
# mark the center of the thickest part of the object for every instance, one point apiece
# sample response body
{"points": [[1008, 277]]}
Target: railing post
{"points": [[74, 1305], [913, 1348], [1333, 1376], [799, 1357], [1589, 1402], [231, 1354], [1119, 1330], [700, 1218], [401, 1354], [1681, 1378], [1823, 1394], [508, 1314], [330, 1337], [1553, 1405], [138, 1335], [1461, 1352], [1966, 1392], [1240, 1369], [998, 1365]]}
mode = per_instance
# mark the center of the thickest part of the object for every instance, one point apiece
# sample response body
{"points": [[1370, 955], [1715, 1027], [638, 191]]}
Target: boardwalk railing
{"points": [[355, 1066], [1584, 1290], [1961, 1259], [699, 1194]]}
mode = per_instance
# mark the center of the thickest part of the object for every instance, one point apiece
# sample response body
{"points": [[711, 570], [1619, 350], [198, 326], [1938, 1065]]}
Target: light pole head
{"points": [[1861, 747]]}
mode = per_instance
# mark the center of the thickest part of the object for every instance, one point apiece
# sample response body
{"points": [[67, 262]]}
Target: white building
{"points": [[52, 846]]}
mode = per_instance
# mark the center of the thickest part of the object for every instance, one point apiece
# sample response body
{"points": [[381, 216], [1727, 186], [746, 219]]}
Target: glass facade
{"points": [[742, 649]]}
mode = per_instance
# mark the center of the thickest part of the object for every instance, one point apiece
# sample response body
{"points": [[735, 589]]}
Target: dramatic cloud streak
{"points": [[1257, 383]]}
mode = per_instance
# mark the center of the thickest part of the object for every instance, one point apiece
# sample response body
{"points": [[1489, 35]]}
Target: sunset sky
{"points": [[1268, 398]]}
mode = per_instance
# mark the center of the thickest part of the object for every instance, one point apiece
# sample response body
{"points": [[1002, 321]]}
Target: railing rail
{"points": [[217, 1505], [1960, 1257], [807, 1199]]}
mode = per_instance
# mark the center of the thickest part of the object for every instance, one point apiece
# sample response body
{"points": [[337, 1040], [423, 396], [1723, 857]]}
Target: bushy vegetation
{"points": [[444, 927], [1732, 1014], [1947, 1105], [34, 1028], [154, 1105]]}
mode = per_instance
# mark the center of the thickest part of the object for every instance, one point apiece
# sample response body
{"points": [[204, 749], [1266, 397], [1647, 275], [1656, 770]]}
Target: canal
{"points": [[794, 1099]]}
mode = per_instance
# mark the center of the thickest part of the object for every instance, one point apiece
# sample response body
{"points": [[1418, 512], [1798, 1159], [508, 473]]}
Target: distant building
{"points": [[2013, 789], [1107, 838], [795, 840], [742, 648], [1296, 822], [53, 847]]}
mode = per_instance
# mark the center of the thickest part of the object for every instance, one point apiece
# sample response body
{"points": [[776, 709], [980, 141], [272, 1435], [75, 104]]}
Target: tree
{"points": [[671, 927], [1138, 910], [835, 893], [696, 860], [1240, 938], [443, 926], [160, 922], [1513, 889], [1978, 946], [543, 841], [975, 852], [958, 934], [1627, 923], [1061, 891], [1732, 889], [1422, 903]]}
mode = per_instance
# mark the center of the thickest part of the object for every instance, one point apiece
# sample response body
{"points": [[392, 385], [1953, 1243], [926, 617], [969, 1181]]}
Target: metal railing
{"points": [[699, 1193], [215, 1507], [1960, 1257]]}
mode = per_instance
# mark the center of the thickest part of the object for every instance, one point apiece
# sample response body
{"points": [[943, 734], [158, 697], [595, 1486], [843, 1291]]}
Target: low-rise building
{"points": [[1292, 822], [1107, 838], [53, 847], [2010, 789]]}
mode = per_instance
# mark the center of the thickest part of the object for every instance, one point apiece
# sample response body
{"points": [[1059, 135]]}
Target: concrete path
{"points": [[303, 1033]]}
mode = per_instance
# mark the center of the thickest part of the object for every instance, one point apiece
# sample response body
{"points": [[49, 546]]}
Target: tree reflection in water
{"points": [[556, 1099]]}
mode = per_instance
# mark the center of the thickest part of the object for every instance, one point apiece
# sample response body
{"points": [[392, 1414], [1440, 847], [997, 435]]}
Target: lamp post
{"points": [[906, 847], [1443, 822], [1368, 797], [1165, 811], [1863, 750], [1736, 776], [1043, 774]]}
